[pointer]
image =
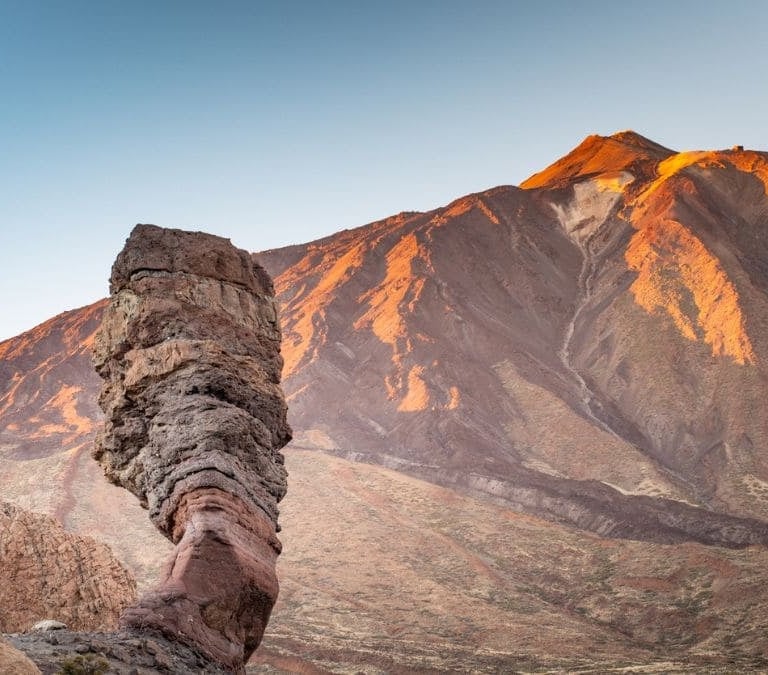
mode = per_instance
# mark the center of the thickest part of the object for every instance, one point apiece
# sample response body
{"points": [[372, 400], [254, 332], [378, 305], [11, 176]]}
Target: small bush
{"points": [[84, 665]]}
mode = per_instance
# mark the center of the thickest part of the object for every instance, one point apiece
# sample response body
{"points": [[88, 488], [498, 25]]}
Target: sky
{"points": [[273, 123]]}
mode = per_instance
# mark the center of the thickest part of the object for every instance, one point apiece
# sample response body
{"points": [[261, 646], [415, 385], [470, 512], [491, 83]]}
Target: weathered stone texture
{"points": [[50, 573], [14, 662], [189, 351], [117, 653]]}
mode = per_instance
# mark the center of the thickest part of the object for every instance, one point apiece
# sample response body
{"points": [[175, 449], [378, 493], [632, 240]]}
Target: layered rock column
{"points": [[189, 351]]}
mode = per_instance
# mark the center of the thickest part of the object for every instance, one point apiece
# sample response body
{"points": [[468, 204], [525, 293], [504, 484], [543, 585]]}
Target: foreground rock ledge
{"points": [[189, 354], [122, 652]]}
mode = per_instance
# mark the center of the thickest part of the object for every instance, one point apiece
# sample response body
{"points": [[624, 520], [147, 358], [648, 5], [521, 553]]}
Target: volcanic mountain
{"points": [[588, 347], [579, 364]]}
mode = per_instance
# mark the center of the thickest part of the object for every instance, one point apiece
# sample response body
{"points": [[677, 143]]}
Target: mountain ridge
{"points": [[587, 349], [407, 272], [606, 209]]}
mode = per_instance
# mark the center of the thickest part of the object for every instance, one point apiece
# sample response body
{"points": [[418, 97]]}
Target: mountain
{"points": [[572, 370], [49, 413], [587, 348]]}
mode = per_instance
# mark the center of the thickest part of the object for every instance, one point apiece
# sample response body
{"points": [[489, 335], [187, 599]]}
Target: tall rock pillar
{"points": [[189, 353]]}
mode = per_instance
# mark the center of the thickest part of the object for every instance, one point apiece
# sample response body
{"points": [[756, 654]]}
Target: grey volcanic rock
{"points": [[121, 652], [191, 365], [189, 351]]}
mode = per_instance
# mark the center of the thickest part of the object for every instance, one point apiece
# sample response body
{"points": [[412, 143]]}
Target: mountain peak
{"points": [[632, 139], [600, 154]]}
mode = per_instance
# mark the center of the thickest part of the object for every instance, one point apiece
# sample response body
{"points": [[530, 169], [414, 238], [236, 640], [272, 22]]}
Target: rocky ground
{"points": [[124, 653], [411, 577]]}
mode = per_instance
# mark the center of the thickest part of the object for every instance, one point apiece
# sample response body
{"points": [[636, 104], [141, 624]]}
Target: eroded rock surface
{"points": [[50, 573], [120, 653], [14, 662], [189, 351]]}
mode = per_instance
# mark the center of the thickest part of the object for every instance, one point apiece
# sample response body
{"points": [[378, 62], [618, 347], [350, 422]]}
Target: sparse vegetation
{"points": [[486, 575], [89, 664]]}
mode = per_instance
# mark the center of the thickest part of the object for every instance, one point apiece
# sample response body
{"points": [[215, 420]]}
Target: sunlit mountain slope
{"points": [[535, 406]]}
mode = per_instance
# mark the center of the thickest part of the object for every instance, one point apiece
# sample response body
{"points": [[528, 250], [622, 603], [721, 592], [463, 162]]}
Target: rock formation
{"points": [[118, 653], [14, 662], [57, 575], [189, 351]]}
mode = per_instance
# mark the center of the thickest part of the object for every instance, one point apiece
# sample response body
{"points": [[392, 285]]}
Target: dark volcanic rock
{"points": [[189, 351], [121, 652], [191, 365]]}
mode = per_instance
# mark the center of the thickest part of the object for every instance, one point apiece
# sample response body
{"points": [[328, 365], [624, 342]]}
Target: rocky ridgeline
{"points": [[189, 354]]}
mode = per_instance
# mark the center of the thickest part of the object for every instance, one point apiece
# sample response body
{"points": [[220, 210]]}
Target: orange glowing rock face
{"points": [[64, 406], [613, 182], [45, 404], [752, 163], [417, 396], [388, 306], [308, 287], [463, 206], [399, 289], [302, 332], [676, 274], [676, 163], [599, 155], [455, 399]]}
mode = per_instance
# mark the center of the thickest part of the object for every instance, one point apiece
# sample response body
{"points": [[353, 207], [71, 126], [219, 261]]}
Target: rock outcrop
{"points": [[50, 573], [117, 653], [189, 351], [14, 662]]}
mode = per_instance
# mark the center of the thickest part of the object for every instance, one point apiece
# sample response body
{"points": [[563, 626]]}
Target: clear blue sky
{"points": [[280, 122]]}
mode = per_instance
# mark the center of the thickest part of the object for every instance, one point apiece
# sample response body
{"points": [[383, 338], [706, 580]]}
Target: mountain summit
{"points": [[572, 370], [597, 155]]}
